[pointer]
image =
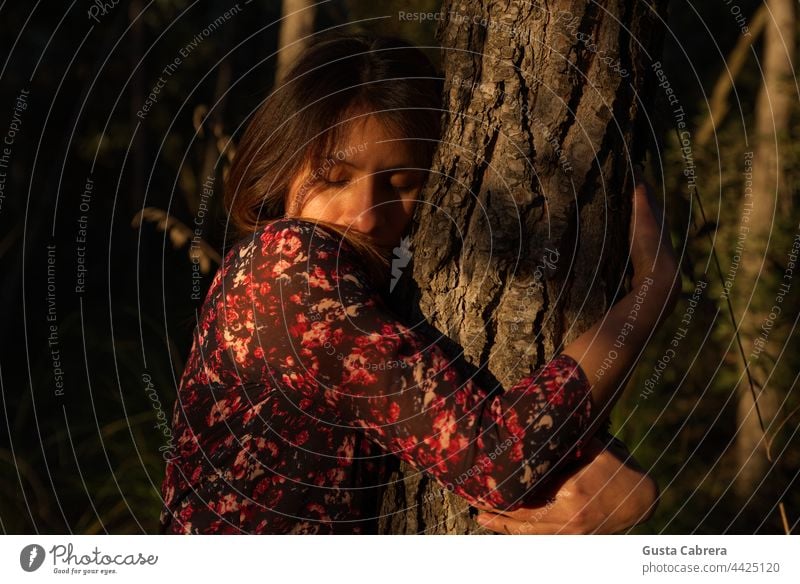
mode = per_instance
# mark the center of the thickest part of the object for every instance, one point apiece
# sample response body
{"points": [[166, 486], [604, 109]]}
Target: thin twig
{"points": [[731, 314]]}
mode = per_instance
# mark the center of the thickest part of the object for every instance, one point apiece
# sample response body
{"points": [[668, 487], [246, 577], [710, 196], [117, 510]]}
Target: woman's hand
{"points": [[652, 254], [608, 495]]}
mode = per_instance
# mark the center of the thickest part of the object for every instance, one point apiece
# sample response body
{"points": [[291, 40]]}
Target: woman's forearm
{"points": [[609, 349]]}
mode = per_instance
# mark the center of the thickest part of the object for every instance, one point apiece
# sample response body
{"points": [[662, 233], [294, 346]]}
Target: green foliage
{"points": [[685, 431]]}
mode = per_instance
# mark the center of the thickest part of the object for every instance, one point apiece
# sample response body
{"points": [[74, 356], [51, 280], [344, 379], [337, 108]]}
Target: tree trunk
{"points": [[768, 200], [718, 106], [297, 26], [521, 243]]}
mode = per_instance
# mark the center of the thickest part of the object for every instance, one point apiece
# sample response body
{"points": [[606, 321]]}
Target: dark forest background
{"points": [[81, 450]]}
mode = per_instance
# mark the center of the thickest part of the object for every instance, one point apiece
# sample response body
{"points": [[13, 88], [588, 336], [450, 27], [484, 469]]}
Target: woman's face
{"points": [[369, 184]]}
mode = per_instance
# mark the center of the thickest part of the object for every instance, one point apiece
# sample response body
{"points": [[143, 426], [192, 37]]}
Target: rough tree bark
{"points": [[521, 243]]}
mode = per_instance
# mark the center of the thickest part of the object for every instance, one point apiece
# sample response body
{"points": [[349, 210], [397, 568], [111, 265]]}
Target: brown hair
{"points": [[303, 119]]}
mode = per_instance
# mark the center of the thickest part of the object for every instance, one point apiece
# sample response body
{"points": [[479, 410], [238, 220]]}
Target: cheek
{"points": [[320, 207]]}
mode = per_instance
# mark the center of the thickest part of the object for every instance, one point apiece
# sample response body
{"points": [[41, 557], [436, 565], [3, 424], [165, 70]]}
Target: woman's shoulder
{"points": [[290, 245], [298, 224], [278, 233], [281, 236]]}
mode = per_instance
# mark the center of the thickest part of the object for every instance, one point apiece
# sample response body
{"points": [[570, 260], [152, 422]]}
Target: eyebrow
{"points": [[408, 167]]}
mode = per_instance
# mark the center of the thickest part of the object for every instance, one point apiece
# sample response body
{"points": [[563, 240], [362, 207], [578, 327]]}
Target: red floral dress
{"points": [[301, 384]]}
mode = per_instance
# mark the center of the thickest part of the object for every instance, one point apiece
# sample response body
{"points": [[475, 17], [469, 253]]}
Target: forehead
{"points": [[369, 143]]}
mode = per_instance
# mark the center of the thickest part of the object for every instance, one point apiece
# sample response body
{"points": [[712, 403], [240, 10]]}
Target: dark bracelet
{"points": [[608, 439]]}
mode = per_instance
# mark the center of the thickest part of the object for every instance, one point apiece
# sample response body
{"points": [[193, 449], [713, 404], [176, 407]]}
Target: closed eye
{"points": [[336, 183], [339, 184]]}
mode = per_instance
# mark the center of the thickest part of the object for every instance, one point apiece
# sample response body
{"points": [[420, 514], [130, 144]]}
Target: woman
{"points": [[302, 384]]}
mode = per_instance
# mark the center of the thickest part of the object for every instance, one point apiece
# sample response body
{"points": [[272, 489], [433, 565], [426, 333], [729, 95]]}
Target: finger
{"points": [[644, 201], [639, 179], [530, 505], [506, 525], [556, 512], [641, 202], [483, 507], [642, 190], [498, 523]]}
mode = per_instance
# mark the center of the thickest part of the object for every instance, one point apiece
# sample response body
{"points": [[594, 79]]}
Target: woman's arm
{"points": [[610, 492], [608, 350], [340, 356]]}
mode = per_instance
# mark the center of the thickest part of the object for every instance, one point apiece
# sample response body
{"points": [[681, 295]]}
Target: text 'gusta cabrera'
{"points": [[684, 550]]}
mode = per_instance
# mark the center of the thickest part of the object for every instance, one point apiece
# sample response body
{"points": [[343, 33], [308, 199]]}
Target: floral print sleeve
{"points": [[349, 361], [301, 382]]}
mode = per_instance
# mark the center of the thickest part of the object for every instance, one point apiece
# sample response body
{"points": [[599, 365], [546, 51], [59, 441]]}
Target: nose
{"points": [[367, 207]]}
